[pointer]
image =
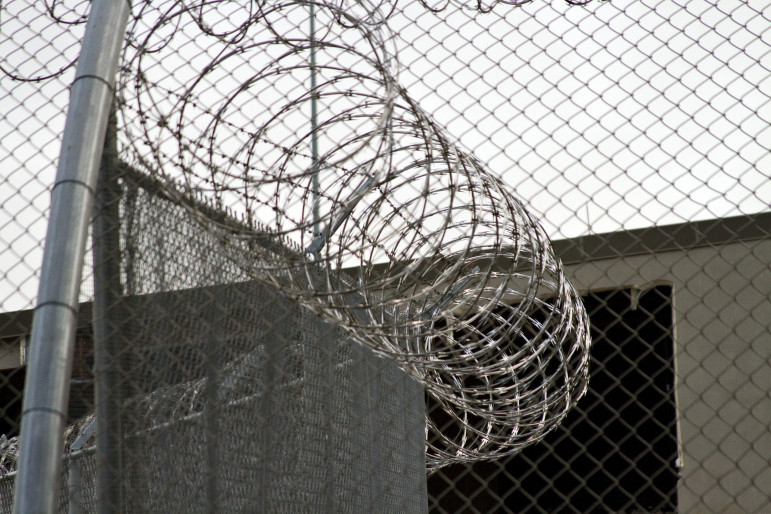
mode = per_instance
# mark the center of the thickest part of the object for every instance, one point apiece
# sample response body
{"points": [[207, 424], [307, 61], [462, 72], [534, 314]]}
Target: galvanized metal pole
{"points": [[53, 330]]}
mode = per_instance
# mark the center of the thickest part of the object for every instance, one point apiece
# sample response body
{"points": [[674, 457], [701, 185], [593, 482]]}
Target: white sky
{"points": [[618, 115]]}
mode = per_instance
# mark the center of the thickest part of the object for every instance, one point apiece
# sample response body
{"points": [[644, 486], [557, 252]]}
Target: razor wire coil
{"points": [[366, 212]]}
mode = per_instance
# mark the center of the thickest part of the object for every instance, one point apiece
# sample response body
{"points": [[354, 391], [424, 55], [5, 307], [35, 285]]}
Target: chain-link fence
{"points": [[322, 277]]}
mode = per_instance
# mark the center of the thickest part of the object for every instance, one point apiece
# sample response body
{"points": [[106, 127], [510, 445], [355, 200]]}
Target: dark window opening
{"points": [[81, 399], [616, 451]]}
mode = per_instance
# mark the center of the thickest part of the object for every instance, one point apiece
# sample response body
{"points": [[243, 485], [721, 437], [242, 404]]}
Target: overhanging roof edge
{"points": [[665, 238]]}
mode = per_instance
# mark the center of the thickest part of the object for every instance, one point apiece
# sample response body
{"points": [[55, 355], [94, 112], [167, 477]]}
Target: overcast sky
{"points": [[618, 115]]}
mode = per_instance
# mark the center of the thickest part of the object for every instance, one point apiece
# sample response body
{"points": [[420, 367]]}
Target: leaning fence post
{"points": [[53, 331]]}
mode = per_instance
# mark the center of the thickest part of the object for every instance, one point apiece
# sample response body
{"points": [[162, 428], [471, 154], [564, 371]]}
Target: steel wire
{"points": [[391, 231]]}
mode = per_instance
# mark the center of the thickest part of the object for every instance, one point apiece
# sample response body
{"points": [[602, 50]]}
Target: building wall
{"points": [[722, 298]]}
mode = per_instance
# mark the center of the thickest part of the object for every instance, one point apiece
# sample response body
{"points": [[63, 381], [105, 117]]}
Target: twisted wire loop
{"points": [[34, 49], [437, 6], [507, 379], [353, 201], [484, 6], [233, 126], [459, 284], [67, 12]]}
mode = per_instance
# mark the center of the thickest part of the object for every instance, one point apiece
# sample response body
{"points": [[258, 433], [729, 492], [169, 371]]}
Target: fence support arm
{"points": [[46, 390]]}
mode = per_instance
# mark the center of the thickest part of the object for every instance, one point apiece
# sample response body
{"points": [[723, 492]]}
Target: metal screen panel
{"points": [[636, 134]]}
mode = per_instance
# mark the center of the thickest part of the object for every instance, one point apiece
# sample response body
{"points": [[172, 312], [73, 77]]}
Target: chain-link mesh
{"points": [[252, 399], [634, 134], [37, 63]]}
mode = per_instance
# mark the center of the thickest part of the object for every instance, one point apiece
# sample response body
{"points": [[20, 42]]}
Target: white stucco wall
{"points": [[722, 298]]}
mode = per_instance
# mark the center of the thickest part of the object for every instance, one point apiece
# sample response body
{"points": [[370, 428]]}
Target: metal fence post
{"points": [[107, 330], [51, 346]]}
